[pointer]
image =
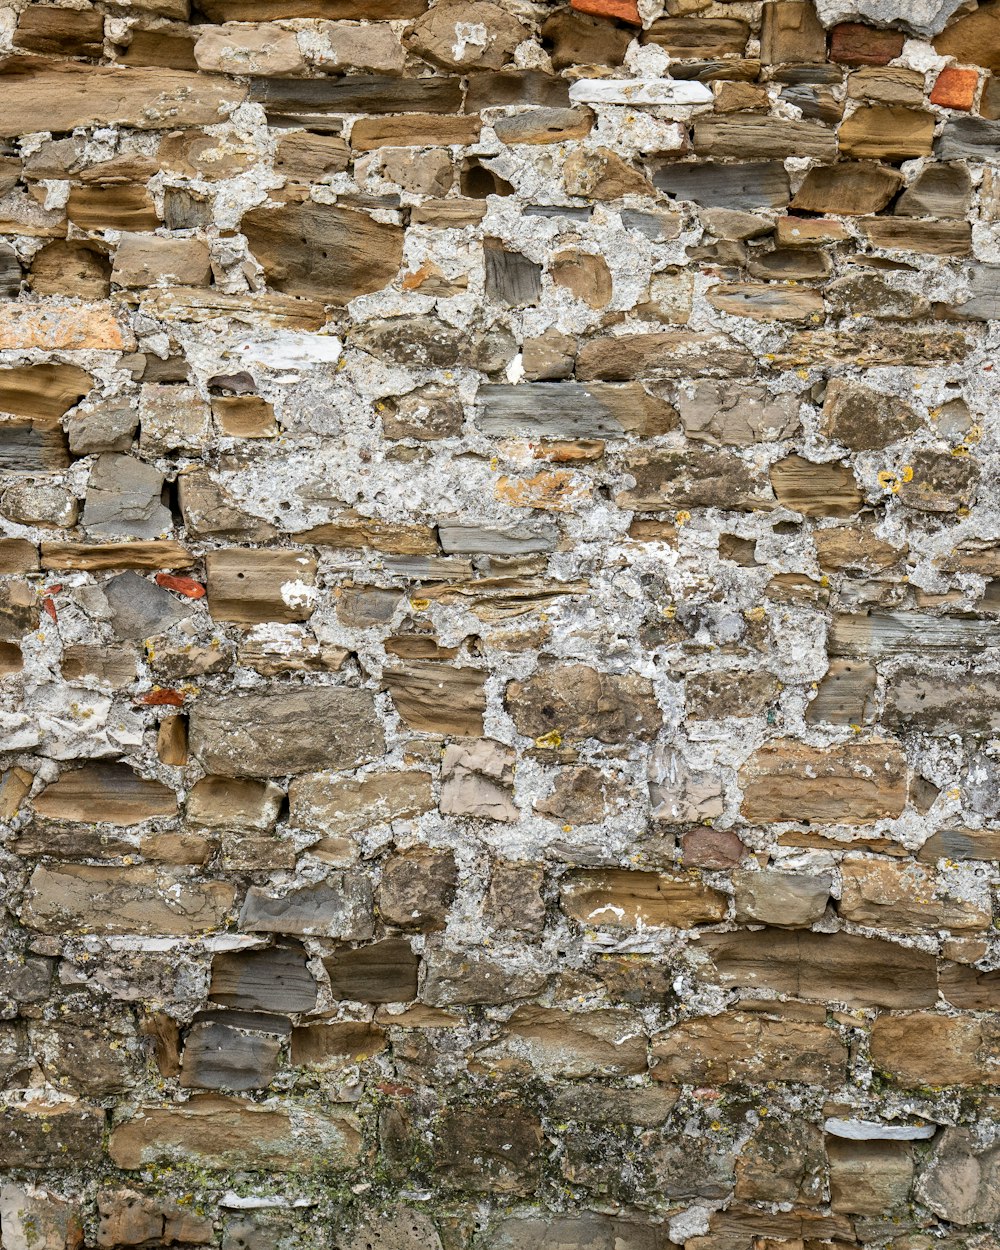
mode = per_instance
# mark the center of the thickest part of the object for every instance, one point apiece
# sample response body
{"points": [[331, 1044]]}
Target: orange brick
{"points": [[955, 88], [623, 10]]}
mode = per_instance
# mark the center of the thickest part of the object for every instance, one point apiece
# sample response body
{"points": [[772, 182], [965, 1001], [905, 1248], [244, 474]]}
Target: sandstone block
{"points": [[923, 1048], [737, 1046], [104, 792], [139, 900], [577, 701], [822, 967], [869, 1178], [619, 898], [381, 972], [273, 979], [246, 49], [417, 888], [857, 783], [223, 1133], [910, 898], [61, 95], [142, 260], [283, 731]]}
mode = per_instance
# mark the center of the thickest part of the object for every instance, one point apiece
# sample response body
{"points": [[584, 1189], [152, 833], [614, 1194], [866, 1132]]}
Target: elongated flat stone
{"points": [[746, 186], [639, 91], [894, 633]]}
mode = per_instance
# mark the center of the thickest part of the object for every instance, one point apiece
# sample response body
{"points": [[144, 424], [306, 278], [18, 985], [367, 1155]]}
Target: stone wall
{"points": [[500, 612]]}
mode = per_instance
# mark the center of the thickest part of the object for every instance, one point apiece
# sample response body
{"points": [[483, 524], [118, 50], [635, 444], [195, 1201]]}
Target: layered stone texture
{"points": [[499, 625]]}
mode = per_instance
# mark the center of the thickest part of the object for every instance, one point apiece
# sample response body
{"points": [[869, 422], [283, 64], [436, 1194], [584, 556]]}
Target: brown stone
{"points": [[818, 490], [869, 1177], [165, 554], [909, 898], [845, 696], [600, 174], [718, 1050], [105, 792], [331, 1046], [333, 254], [412, 130], [436, 37], [544, 125], [50, 1135], [576, 701], [285, 731], [381, 972], [221, 1133], [489, 1150], [864, 419], [113, 900], [973, 38], [140, 261], [939, 482], [437, 698], [685, 37], [850, 189], [936, 238], [579, 39], [852, 43], [748, 137], [821, 967], [668, 480], [417, 888], [619, 898], [248, 586], [887, 132], [61, 95], [764, 302], [568, 1044], [62, 327], [857, 783], [791, 32], [924, 1048]]}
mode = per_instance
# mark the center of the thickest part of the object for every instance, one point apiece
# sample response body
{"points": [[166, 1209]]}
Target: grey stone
{"points": [[983, 303], [723, 415], [758, 184], [937, 191], [895, 633], [275, 979], [461, 539], [511, 278], [285, 730], [382, 972], [968, 138], [477, 779], [961, 1183], [141, 609], [785, 899], [921, 17], [107, 425], [217, 1056], [124, 499], [399, 1228], [341, 907]]}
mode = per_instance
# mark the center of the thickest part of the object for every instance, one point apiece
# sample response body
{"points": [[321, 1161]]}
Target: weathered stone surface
{"points": [[761, 184], [576, 701], [857, 783], [459, 977], [869, 1178], [668, 480], [140, 609], [575, 1232], [618, 898], [274, 979], [247, 586], [220, 1133], [972, 39], [50, 1134], [820, 967], [863, 419], [217, 1056], [382, 972], [327, 803], [818, 490], [845, 696], [314, 250], [717, 1050], [499, 1152], [124, 500], [437, 698], [892, 633], [477, 779], [60, 95], [714, 414], [417, 888], [909, 898], [122, 900], [923, 1048], [748, 137], [961, 1183], [104, 792], [572, 1044], [786, 900], [339, 907], [285, 731], [850, 188]]}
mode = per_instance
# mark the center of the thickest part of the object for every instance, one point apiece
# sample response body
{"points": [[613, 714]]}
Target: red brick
{"points": [[955, 88], [623, 10], [852, 43]]}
